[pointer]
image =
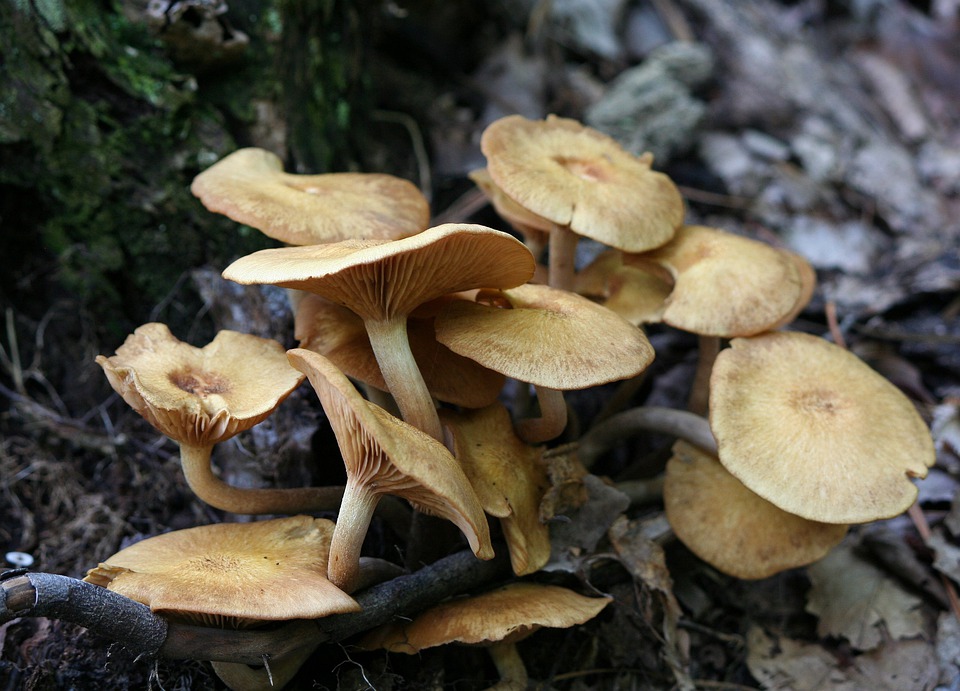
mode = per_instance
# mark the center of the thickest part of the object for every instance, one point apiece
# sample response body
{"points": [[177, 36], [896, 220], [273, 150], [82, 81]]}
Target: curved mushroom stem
{"points": [[390, 344], [195, 461], [275, 673], [552, 420], [679, 423], [513, 673], [356, 511], [563, 252]]}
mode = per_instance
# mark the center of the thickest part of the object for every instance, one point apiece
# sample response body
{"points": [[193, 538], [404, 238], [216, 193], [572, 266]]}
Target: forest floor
{"points": [[831, 129]]}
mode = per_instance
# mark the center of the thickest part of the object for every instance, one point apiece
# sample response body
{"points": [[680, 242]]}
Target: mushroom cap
{"points": [[250, 187], [231, 572], [389, 456], [724, 284], [637, 295], [525, 222], [200, 396], [811, 428], [380, 280], [550, 337], [509, 612], [508, 478], [339, 335], [733, 529], [579, 178]]}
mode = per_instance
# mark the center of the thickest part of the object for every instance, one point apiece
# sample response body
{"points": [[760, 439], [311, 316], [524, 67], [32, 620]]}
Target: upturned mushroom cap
{"points": [[550, 338], [339, 335], [510, 612], [733, 529], [200, 396], [388, 456], [724, 285], [231, 573], [378, 280], [250, 187], [508, 478], [812, 429], [579, 178]]}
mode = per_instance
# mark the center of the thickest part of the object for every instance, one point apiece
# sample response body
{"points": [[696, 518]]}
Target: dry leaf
{"points": [[782, 663], [859, 602]]}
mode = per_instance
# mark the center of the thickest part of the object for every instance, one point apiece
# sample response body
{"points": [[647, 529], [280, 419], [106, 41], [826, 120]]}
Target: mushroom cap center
{"points": [[199, 382]]}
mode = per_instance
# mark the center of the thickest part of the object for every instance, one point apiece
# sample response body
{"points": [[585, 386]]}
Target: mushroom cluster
{"points": [[408, 334]]}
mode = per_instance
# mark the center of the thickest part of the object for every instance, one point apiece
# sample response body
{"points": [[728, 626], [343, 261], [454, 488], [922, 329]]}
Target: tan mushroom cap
{"points": [[811, 428], [725, 285], [637, 295], [385, 455], [579, 178], [510, 612], [200, 396], [733, 529], [231, 573], [339, 335], [250, 187], [508, 478], [551, 338], [379, 280], [534, 228]]}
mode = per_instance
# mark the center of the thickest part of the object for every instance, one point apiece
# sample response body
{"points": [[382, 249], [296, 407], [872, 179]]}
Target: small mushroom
{"points": [[508, 477], [637, 295], [383, 282], [584, 183], [553, 339], [384, 455], [250, 187], [733, 529], [724, 284], [200, 397], [497, 619], [814, 430]]}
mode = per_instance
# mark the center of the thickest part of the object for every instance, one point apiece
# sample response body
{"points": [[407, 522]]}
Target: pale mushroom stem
{"points": [[707, 351], [552, 420], [392, 347], [195, 461], [513, 673], [353, 521], [563, 251], [678, 423]]}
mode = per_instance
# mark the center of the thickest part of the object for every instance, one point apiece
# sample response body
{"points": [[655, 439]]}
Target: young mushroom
{"points": [[200, 397], [733, 529], [553, 339], [497, 620], [383, 282], [250, 187], [584, 183], [384, 455], [508, 477], [811, 428]]}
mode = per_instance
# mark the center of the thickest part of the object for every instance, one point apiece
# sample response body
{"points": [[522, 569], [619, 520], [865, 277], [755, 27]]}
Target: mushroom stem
{"points": [[678, 423], [513, 673], [552, 420], [353, 521], [709, 348], [195, 461], [563, 251], [390, 344]]}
